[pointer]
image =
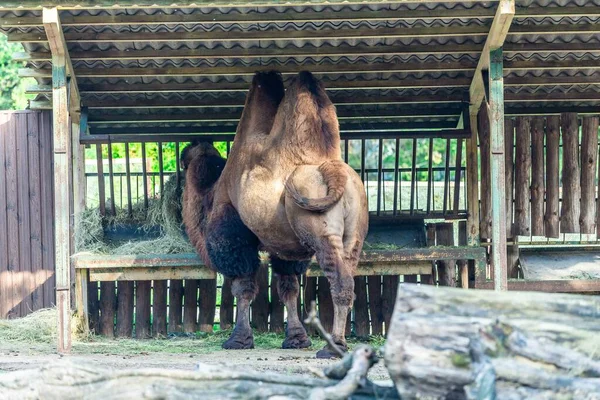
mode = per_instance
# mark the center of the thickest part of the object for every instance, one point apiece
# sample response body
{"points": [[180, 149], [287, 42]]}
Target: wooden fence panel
{"points": [[207, 302], [26, 213], [375, 304], [159, 309], [522, 169], [226, 308], [142, 309], [175, 306], [537, 176], [125, 309], [571, 189], [589, 159], [552, 219]]}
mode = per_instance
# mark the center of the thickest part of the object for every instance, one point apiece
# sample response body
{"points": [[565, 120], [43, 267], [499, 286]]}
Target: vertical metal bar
{"points": [[362, 159], [499, 256], [346, 149], [457, 175], [161, 172], [396, 176], [228, 147], [144, 176], [446, 177], [379, 175], [101, 182], [113, 203], [128, 174], [177, 165], [430, 176], [413, 177]]}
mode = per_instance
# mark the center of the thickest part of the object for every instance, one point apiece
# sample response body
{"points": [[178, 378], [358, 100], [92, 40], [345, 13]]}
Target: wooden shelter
{"points": [[494, 78]]}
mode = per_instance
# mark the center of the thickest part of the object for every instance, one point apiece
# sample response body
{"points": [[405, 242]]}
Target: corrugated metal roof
{"points": [[546, 56]]}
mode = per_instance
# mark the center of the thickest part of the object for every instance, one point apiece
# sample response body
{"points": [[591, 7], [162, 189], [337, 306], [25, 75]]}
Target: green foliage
{"points": [[12, 88]]}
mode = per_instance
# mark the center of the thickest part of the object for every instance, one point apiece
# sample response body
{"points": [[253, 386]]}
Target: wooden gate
{"points": [[26, 213]]}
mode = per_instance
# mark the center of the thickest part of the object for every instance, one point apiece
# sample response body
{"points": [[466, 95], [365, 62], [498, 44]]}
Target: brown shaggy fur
{"points": [[284, 189]]}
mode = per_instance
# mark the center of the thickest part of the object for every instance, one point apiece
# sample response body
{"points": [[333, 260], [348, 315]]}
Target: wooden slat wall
{"points": [[26, 213]]}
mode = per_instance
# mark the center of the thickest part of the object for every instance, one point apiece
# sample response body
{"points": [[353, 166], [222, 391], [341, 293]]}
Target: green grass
{"points": [[37, 333]]}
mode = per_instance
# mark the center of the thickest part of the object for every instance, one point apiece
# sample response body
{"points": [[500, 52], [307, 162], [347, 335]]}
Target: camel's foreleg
{"points": [[233, 251], [340, 276], [289, 290], [244, 289]]}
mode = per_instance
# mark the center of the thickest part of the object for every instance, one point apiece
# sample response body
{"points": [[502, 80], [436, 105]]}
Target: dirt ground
{"points": [[14, 356]]}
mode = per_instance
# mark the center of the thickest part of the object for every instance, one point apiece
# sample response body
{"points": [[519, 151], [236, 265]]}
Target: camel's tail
{"points": [[335, 177]]}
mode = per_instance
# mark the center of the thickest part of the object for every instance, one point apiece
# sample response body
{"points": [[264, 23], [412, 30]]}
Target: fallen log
{"points": [[447, 343]]}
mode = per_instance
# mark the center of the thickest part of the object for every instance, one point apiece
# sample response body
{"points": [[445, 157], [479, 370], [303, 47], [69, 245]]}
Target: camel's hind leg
{"points": [[289, 289], [233, 251], [339, 273]]}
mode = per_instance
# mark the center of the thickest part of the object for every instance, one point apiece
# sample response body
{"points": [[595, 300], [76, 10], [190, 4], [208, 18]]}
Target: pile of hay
{"points": [[163, 213], [38, 327]]}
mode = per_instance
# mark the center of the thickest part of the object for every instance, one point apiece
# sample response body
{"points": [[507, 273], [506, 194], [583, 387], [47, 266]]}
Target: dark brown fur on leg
{"points": [[244, 289], [289, 289]]}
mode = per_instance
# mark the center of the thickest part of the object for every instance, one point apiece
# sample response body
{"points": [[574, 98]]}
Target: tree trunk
{"points": [[454, 344]]}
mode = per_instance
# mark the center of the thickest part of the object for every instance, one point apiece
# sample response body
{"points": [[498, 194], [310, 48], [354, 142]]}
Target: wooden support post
{"points": [[571, 189], [473, 183], [108, 305], [260, 305], [485, 216], [226, 308], [589, 159], [361, 311], [175, 323], [159, 309], [496, 115], [207, 302], [537, 176], [446, 268], [374, 290], [509, 147], [551, 218], [124, 309], [63, 181]]}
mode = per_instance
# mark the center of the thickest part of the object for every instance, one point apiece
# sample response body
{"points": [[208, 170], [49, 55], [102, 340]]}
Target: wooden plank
{"points": [[159, 309], [374, 292], [571, 189], [589, 159], [485, 226], [35, 208], [379, 173], [552, 220], [396, 206], [537, 176], [523, 161], [93, 306], [260, 305], [128, 178], [226, 36], [226, 308], [24, 232], [325, 303], [446, 178], [125, 301], [142, 309], [388, 298], [175, 306], [447, 268], [47, 196], [190, 305], [12, 207], [276, 309], [361, 308], [430, 176], [81, 299], [107, 309], [463, 265], [509, 170], [5, 274], [207, 302], [413, 176], [498, 191]]}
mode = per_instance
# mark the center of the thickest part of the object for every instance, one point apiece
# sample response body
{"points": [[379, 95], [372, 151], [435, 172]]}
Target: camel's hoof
{"points": [[239, 342], [301, 341], [327, 353]]}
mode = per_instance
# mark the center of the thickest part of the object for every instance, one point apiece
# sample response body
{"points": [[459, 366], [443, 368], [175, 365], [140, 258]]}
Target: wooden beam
{"points": [[225, 36], [495, 40], [58, 48], [62, 182], [593, 79], [497, 158], [297, 17], [308, 51]]}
